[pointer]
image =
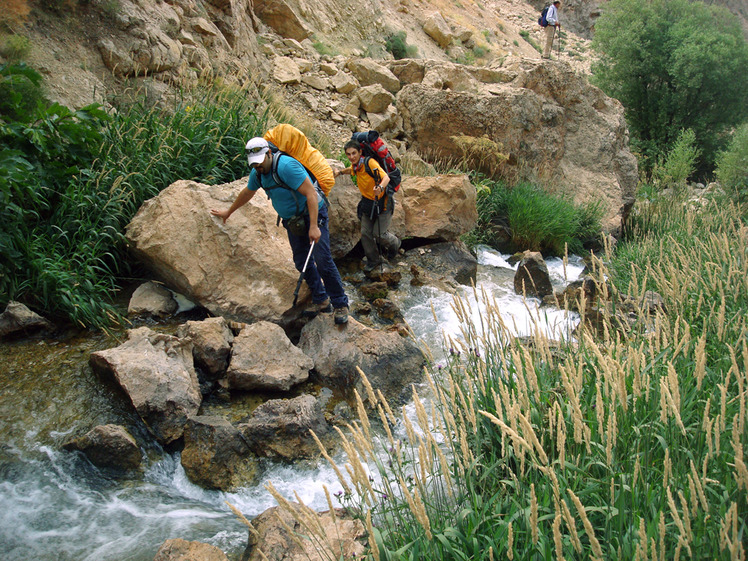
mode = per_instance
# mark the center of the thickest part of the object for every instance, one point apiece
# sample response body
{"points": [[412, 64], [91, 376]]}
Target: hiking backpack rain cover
{"points": [[290, 140], [373, 146]]}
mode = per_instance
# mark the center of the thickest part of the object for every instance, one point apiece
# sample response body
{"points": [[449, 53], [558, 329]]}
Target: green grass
{"points": [[526, 36], [624, 445], [71, 181], [535, 219]]}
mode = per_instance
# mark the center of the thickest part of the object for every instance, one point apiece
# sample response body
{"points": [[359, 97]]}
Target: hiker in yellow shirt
{"points": [[375, 207]]}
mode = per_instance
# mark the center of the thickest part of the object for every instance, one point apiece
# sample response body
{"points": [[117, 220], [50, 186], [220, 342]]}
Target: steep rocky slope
{"points": [[103, 46], [330, 65]]}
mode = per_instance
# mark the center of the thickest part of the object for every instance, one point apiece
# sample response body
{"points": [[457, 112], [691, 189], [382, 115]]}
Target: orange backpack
{"points": [[291, 141]]}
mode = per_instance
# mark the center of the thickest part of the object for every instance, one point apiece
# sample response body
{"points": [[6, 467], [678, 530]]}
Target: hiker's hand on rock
{"points": [[223, 214], [314, 233]]}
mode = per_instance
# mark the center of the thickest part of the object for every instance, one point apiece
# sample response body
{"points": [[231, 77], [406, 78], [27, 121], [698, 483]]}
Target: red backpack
{"points": [[373, 146]]}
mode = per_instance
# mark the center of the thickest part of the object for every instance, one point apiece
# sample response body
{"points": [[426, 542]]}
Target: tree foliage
{"points": [[675, 65], [732, 164]]}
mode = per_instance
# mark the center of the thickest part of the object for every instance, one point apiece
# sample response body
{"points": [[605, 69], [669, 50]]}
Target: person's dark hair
{"points": [[557, 3], [353, 144]]}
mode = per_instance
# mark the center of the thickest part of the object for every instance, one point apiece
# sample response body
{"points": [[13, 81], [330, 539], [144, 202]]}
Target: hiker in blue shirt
{"points": [[304, 215], [550, 31]]}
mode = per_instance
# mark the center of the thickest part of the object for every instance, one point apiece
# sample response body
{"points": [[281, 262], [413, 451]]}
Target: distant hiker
{"points": [[304, 215], [375, 207], [550, 30]]}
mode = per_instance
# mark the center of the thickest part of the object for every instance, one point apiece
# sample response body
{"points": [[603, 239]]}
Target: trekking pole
{"points": [[374, 209], [301, 276], [559, 42]]}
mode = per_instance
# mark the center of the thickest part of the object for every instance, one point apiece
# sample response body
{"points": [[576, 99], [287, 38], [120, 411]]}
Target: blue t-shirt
{"points": [[286, 203]]}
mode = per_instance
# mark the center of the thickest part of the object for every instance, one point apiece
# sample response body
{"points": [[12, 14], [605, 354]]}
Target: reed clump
{"points": [[70, 181], [627, 445]]}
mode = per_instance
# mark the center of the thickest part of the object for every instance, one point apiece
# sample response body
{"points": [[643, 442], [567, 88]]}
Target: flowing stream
{"points": [[55, 506]]}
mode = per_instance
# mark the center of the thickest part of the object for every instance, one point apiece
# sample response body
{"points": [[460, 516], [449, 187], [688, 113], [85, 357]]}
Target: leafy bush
{"points": [[680, 162], [675, 65], [732, 164], [395, 44], [15, 48], [480, 51], [534, 220], [70, 181]]}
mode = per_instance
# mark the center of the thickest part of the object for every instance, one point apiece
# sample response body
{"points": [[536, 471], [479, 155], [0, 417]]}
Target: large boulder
{"points": [[374, 98], [438, 29], [156, 372], [211, 345], [280, 428], [281, 17], [440, 208], [108, 446], [389, 361], [270, 536], [548, 118], [444, 265], [215, 455], [368, 72], [263, 358], [241, 270]]}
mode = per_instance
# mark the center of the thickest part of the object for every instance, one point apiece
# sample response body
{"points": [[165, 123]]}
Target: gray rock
{"points": [[156, 371], [390, 362], [211, 344], [532, 278], [263, 357], [108, 446], [215, 455], [279, 428], [18, 319], [153, 299]]}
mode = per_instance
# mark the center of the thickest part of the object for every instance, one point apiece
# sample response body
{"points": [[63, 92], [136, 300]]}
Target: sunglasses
{"points": [[256, 149]]}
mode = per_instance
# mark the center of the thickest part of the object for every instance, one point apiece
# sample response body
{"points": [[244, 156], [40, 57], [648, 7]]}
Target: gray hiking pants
{"points": [[371, 230]]}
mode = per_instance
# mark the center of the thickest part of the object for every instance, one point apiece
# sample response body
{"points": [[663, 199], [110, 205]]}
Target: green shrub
{"points": [[674, 169], [479, 51], [526, 36], [673, 73], [70, 181], [732, 164], [324, 49], [534, 219], [395, 44], [15, 48]]}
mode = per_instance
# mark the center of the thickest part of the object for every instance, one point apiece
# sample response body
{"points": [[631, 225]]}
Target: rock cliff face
{"points": [[546, 118], [546, 115]]}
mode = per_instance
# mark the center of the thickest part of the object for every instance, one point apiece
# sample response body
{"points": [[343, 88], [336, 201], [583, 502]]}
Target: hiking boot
{"points": [[340, 315], [312, 310], [369, 267]]}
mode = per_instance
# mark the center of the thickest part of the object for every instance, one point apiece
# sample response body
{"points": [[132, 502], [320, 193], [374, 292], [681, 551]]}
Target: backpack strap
{"points": [[280, 184], [373, 173]]}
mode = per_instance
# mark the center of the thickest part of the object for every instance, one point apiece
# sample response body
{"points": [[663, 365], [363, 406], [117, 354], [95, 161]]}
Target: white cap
{"points": [[256, 149]]}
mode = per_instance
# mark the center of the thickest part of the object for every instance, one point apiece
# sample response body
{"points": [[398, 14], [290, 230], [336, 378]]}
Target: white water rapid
{"points": [[55, 506]]}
